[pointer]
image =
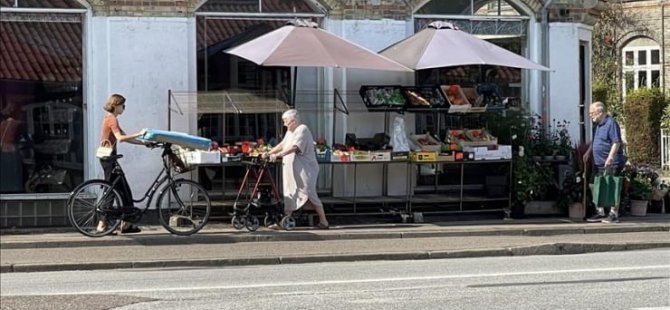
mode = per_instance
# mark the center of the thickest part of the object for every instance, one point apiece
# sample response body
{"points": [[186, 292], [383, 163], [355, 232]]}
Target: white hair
{"points": [[291, 114], [599, 106]]}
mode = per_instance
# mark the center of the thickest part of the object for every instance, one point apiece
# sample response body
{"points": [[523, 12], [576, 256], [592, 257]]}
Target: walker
{"points": [[258, 190]]}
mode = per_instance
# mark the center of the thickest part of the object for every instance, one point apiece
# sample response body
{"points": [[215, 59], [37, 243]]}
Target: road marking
{"points": [[354, 281]]}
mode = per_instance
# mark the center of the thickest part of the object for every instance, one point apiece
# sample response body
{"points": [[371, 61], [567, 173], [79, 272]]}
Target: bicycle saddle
{"points": [[114, 157]]}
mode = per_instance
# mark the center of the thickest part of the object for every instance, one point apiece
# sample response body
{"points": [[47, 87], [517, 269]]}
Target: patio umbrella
{"points": [[444, 45], [302, 44]]}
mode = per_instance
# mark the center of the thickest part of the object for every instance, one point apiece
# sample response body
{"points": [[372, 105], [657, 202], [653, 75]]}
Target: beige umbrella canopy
{"points": [[443, 45], [303, 44]]}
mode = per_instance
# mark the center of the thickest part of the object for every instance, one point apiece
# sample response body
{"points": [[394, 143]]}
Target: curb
{"points": [[272, 236], [542, 249]]}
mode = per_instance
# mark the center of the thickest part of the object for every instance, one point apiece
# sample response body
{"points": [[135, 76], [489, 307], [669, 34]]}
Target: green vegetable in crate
{"points": [[396, 98]]}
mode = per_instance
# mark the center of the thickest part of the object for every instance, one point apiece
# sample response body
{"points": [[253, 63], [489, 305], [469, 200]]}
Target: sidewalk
{"points": [[221, 245]]}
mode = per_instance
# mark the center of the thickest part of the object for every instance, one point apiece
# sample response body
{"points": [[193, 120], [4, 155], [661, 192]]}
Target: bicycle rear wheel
{"points": [[89, 206], [183, 207]]}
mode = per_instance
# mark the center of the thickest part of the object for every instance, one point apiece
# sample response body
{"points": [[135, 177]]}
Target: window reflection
{"points": [[41, 121]]}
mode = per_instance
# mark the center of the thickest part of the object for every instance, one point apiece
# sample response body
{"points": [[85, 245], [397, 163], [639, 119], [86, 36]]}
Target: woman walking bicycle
{"points": [[110, 135], [183, 205]]}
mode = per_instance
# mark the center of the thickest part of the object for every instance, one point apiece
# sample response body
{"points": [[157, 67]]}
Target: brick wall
{"points": [[144, 8]]}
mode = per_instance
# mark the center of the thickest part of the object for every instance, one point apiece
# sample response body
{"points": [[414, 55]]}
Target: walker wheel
{"points": [[238, 222], [269, 220], [252, 223], [288, 222]]}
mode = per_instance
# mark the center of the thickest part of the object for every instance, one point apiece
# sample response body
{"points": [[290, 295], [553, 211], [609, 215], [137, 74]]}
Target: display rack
{"points": [[456, 197]]}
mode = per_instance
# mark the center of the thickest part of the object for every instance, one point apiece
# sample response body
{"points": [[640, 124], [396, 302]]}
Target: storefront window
{"points": [[220, 27], [41, 121]]}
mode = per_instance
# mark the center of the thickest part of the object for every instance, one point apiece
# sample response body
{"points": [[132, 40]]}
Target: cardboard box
{"points": [[203, 157], [423, 156], [495, 152]]}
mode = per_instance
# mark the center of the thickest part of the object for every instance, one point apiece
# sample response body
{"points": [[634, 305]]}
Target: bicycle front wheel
{"points": [[183, 207], [91, 206]]}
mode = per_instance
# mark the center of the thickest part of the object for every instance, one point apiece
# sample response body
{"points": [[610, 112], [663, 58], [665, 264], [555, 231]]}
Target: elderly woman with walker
{"points": [[300, 169]]}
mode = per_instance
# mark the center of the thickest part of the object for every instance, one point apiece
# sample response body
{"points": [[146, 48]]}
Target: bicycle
{"points": [[183, 205]]}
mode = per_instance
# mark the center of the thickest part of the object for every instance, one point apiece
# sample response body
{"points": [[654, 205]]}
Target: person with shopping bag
{"points": [[608, 163]]}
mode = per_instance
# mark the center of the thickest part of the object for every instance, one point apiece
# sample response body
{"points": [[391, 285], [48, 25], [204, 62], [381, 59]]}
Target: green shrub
{"points": [[600, 92], [665, 120], [643, 111]]}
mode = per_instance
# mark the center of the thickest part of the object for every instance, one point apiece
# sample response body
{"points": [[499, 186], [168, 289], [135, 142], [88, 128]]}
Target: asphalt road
{"points": [[610, 280]]}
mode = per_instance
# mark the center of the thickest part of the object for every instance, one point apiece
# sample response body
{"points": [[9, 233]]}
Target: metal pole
{"points": [[169, 111]]}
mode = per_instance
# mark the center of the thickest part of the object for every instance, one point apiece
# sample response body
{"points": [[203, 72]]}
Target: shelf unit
{"points": [[383, 202], [457, 196]]}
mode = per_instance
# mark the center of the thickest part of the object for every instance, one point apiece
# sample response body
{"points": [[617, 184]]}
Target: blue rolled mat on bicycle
{"points": [[178, 138]]}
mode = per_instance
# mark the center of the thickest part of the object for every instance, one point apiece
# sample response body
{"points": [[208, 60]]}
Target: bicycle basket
{"points": [[179, 159]]}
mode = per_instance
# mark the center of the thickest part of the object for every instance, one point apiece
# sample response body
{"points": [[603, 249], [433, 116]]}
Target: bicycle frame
{"points": [[160, 179]]}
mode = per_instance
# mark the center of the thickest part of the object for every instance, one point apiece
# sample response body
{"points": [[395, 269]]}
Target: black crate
{"points": [[383, 97], [420, 97]]}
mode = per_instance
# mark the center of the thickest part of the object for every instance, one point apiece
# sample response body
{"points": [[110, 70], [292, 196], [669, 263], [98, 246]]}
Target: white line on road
{"points": [[328, 282]]}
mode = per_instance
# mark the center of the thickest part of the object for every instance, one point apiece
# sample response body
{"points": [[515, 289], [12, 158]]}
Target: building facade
{"points": [[63, 58], [644, 46]]}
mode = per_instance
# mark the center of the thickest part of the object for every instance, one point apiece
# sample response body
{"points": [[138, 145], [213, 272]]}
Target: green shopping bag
{"points": [[607, 190]]}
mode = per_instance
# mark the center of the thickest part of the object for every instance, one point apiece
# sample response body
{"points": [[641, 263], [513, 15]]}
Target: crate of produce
{"points": [[323, 156], [425, 97], [340, 156], [399, 156], [361, 156], [423, 156], [458, 102], [471, 137], [446, 157], [383, 97], [426, 142], [380, 156]]}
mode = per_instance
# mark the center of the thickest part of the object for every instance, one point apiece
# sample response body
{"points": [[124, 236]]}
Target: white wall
{"points": [[140, 58], [564, 40]]}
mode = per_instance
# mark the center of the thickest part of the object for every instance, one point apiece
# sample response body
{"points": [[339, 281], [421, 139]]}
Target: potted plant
{"points": [[530, 181], [639, 191]]}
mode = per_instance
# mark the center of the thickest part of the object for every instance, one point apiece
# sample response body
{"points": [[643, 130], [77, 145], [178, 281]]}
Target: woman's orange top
{"points": [[110, 125]]}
